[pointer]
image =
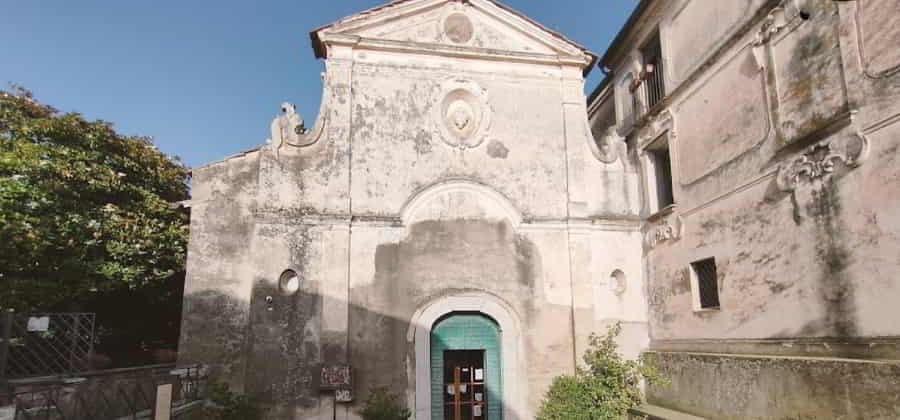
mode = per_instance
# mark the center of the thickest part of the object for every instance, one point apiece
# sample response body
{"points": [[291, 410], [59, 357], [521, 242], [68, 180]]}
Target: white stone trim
{"points": [[419, 333], [490, 198]]}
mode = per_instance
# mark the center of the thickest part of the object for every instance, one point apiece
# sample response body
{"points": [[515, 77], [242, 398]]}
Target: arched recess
{"points": [[459, 199], [419, 334]]}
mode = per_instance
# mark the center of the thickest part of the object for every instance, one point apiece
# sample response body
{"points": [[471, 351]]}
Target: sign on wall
{"points": [[343, 396], [336, 377]]}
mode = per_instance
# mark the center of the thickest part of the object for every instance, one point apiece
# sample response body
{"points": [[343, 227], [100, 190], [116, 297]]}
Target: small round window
{"points": [[289, 283]]}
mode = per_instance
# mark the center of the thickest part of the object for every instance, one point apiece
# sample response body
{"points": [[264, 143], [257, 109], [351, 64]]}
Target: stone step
{"points": [[652, 412]]}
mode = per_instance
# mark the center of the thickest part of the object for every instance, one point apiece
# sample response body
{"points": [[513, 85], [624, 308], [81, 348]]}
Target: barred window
{"points": [[706, 284], [654, 88]]}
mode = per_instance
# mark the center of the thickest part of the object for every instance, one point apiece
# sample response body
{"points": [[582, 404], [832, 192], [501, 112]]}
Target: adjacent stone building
{"points": [[459, 216], [766, 135]]}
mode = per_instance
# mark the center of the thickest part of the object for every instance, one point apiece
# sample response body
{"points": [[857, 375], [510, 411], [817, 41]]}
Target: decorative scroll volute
{"points": [[819, 162]]}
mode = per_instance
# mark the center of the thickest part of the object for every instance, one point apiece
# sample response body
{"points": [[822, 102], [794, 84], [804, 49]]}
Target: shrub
{"points": [[605, 388], [383, 405], [227, 405]]}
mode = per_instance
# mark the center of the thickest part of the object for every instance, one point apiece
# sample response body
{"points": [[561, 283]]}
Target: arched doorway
{"points": [[466, 368], [419, 335]]}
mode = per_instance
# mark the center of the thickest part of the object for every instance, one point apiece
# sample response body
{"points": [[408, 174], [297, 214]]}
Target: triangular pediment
{"points": [[485, 26]]}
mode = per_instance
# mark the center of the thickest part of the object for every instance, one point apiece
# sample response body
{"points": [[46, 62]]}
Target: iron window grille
{"points": [[707, 283], [652, 74]]}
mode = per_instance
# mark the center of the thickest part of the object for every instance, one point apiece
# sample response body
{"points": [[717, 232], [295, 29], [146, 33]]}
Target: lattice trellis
{"points": [[56, 343]]}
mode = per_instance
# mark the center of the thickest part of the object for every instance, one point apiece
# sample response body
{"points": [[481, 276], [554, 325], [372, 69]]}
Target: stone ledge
{"points": [[739, 386], [871, 348], [652, 412]]}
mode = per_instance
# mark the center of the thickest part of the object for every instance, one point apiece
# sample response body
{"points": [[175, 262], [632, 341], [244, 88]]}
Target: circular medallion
{"points": [[463, 114], [458, 28]]}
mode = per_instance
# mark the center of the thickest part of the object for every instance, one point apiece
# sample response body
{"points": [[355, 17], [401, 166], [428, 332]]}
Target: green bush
{"points": [[227, 405], [383, 405], [605, 389]]}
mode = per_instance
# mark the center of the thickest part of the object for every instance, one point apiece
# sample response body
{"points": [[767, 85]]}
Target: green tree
{"points": [[83, 210], [604, 389]]}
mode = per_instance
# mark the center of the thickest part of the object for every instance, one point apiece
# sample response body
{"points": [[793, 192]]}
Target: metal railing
{"points": [[114, 394], [654, 89]]}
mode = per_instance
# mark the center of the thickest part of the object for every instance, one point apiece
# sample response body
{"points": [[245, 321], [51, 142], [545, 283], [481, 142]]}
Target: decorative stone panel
{"points": [[463, 114], [878, 37], [808, 86], [669, 229], [699, 27], [458, 28], [735, 93]]}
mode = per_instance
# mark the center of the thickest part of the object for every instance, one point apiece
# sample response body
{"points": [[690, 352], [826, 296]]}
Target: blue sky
{"points": [[204, 78]]}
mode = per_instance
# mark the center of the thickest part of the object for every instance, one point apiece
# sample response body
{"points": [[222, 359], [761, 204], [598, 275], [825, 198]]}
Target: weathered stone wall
{"points": [[797, 253], [783, 132], [438, 171], [219, 280], [768, 387]]}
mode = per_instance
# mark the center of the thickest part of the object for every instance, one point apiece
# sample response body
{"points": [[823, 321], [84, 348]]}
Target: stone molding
{"points": [[655, 126], [887, 348], [347, 32], [491, 202]]}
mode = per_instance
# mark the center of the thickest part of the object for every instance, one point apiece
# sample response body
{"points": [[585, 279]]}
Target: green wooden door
{"points": [[466, 331]]}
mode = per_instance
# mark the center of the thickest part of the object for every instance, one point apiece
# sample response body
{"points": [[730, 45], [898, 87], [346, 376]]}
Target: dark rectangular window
{"points": [[707, 283], [652, 73], [662, 171]]}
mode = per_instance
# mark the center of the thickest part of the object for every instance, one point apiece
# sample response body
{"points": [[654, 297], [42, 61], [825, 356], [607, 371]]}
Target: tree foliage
{"points": [[82, 208], [604, 389]]}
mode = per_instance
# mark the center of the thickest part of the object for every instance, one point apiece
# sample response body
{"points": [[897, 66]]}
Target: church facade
{"points": [[443, 203], [460, 216]]}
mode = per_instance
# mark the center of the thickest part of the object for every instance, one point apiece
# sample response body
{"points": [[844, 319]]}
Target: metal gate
{"points": [[45, 344]]}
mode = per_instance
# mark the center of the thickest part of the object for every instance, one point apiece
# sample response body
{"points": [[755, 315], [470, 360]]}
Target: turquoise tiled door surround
{"points": [[467, 331]]}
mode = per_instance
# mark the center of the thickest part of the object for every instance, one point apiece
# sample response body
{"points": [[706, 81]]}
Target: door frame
{"points": [[513, 384]]}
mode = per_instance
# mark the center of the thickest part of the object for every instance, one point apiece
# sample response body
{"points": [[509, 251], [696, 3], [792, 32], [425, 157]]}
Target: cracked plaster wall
{"points": [[805, 271], [384, 213]]}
